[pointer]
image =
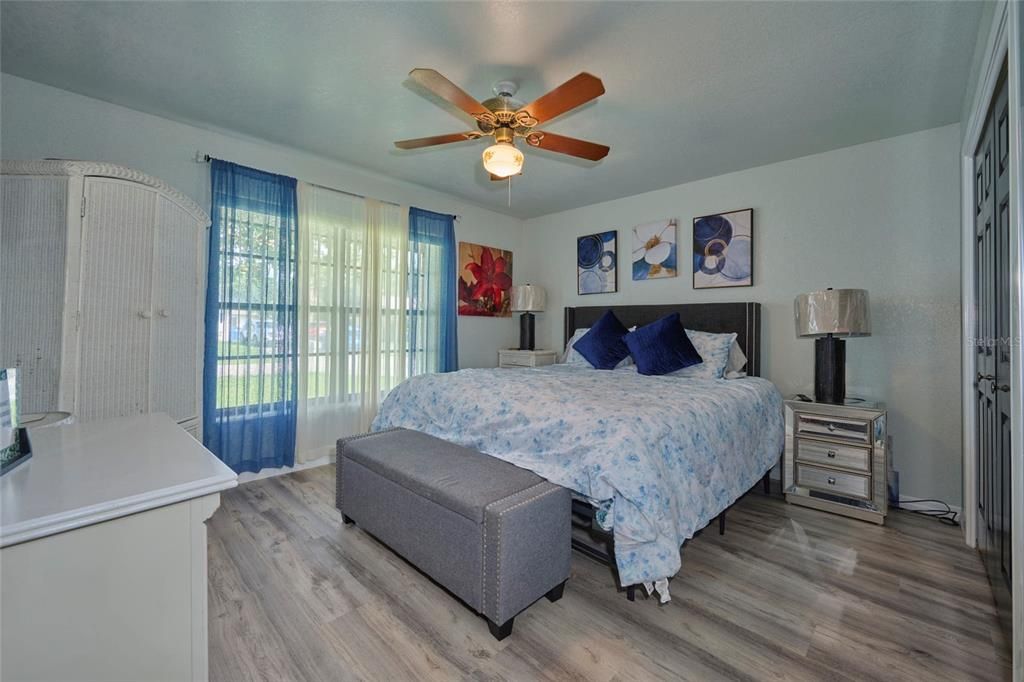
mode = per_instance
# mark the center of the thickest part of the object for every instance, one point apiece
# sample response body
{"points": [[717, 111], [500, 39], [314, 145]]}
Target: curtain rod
{"points": [[206, 158]]}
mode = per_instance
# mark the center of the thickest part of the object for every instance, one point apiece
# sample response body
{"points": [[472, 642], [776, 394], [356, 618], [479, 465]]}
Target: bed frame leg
{"points": [[767, 482], [721, 523], [631, 593], [346, 520]]}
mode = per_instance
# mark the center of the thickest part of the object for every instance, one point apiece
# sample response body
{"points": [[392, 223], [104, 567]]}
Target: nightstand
{"points": [[835, 458], [526, 358]]}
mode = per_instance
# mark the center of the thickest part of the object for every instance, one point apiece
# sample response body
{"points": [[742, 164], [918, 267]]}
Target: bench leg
{"points": [[555, 593], [721, 523], [631, 593], [767, 483], [500, 632], [346, 520]]}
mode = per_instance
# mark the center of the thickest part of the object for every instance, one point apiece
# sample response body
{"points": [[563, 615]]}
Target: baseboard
{"points": [[249, 476]]}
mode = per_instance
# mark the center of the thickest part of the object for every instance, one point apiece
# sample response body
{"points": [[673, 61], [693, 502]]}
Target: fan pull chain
{"points": [[510, 191]]}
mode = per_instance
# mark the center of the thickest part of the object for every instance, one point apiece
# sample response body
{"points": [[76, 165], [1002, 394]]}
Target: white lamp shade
{"points": [[528, 298], [503, 159], [840, 312]]}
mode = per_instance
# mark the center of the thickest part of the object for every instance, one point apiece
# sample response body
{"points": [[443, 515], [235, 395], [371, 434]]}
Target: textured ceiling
{"points": [[693, 89]]}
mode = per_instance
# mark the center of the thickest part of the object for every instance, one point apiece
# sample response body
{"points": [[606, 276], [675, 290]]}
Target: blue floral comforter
{"points": [[659, 456]]}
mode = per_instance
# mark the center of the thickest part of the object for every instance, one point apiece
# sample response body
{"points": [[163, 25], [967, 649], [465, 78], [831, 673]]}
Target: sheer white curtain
{"points": [[353, 272]]}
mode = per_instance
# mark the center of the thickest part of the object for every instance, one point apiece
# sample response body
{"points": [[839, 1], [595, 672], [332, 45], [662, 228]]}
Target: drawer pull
{"points": [[831, 480], [831, 454], [831, 426]]}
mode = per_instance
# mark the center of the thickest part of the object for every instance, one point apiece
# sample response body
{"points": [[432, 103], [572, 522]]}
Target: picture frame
{"points": [[484, 281], [597, 267], [723, 249], [655, 250]]}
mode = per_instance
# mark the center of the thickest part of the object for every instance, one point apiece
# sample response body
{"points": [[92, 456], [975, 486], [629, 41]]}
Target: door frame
{"points": [[1003, 42]]}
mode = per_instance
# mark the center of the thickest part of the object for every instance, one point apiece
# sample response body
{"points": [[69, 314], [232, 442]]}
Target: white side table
{"points": [[526, 358]]}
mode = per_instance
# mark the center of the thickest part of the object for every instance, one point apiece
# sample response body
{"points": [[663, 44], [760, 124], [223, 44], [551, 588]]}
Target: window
{"points": [[356, 306], [254, 309]]}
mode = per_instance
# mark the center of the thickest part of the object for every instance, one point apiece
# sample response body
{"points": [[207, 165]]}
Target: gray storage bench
{"points": [[496, 536]]}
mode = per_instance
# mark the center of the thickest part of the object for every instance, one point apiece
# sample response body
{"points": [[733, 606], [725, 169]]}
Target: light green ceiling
{"points": [[693, 89]]}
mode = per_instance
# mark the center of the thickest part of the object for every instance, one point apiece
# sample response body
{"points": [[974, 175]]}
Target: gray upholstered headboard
{"points": [[719, 318]]}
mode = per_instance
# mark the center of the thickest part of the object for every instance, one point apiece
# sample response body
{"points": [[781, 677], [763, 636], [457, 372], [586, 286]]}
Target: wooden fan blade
{"points": [[446, 90], [567, 145], [437, 139], [577, 90]]}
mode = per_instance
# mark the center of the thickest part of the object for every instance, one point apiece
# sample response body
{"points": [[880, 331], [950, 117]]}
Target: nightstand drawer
{"points": [[517, 360], [836, 482], [845, 428], [833, 454]]}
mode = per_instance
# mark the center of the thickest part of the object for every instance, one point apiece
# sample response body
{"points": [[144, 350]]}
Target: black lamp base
{"points": [[526, 331], [830, 370]]}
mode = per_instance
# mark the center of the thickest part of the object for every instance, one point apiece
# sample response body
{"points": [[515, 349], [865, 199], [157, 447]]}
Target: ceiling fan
{"points": [[505, 118]]}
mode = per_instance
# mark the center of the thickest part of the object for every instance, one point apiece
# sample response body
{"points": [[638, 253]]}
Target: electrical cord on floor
{"points": [[947, 515]]}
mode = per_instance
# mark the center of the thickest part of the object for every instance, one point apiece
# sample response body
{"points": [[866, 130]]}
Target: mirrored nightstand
{"points": [[835, 458]]}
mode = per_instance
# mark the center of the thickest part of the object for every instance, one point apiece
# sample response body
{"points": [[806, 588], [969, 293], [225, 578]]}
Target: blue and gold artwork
{"points": [[723, 250], [654, 250], [596, 260]]}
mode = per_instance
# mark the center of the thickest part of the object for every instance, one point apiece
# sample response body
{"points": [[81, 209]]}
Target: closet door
{"points": [[1002, 533], [175, 359], [116, 307], [993, 252]]}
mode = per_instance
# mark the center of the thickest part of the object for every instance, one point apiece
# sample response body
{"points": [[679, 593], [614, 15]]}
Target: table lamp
{"points": [[527, 299], [829, 315]]}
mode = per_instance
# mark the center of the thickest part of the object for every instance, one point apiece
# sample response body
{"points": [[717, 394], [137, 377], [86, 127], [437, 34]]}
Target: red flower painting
{"points": [[485, 278]]}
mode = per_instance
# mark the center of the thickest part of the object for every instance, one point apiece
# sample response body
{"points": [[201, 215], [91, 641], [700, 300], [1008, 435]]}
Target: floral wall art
{"points": [[723, 250], [596, 261], [485, 278], [654, 250]]}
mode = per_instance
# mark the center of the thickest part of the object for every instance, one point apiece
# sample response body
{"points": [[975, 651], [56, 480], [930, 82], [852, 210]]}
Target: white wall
{"points": [[40, 121], [882, 216]]}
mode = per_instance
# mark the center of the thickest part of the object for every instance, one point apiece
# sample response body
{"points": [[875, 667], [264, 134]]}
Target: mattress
{"points": [[659, 457]]}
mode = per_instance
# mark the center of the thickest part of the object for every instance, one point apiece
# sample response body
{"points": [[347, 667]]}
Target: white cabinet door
{"points": [[33, 242], [116, 305], [175, 359]]}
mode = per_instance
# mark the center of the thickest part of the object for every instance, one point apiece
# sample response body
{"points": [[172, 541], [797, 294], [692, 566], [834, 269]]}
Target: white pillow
{"points": [[572, 357], [714, 349], [737, 362]]}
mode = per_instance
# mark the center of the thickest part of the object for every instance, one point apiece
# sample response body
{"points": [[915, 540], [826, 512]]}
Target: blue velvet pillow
{"points": [[603, 346], [662, 347]]}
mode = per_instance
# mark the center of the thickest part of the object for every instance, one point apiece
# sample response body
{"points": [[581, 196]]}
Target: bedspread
{"points": [[660, 457]]}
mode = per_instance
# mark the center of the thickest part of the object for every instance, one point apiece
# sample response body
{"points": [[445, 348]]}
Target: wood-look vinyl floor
{"points": [[787, 594]]}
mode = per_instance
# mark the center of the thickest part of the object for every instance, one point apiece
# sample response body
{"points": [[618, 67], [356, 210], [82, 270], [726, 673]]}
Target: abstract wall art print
{"points": [[485, 280], [723, 250], [596, 263], [654, 250]]}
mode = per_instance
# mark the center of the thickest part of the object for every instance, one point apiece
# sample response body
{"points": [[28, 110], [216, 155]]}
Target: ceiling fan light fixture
{"points": [[503, 159]]}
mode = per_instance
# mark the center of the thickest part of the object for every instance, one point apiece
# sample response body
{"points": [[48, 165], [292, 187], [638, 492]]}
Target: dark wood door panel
{"points": [[993, 352]]}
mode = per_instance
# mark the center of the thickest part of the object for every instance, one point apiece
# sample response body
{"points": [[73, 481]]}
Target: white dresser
{"points": [[102, 276], [103, 551]]}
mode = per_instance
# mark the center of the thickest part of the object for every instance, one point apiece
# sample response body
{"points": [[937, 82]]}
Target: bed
{"points": [[657, 457]]}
